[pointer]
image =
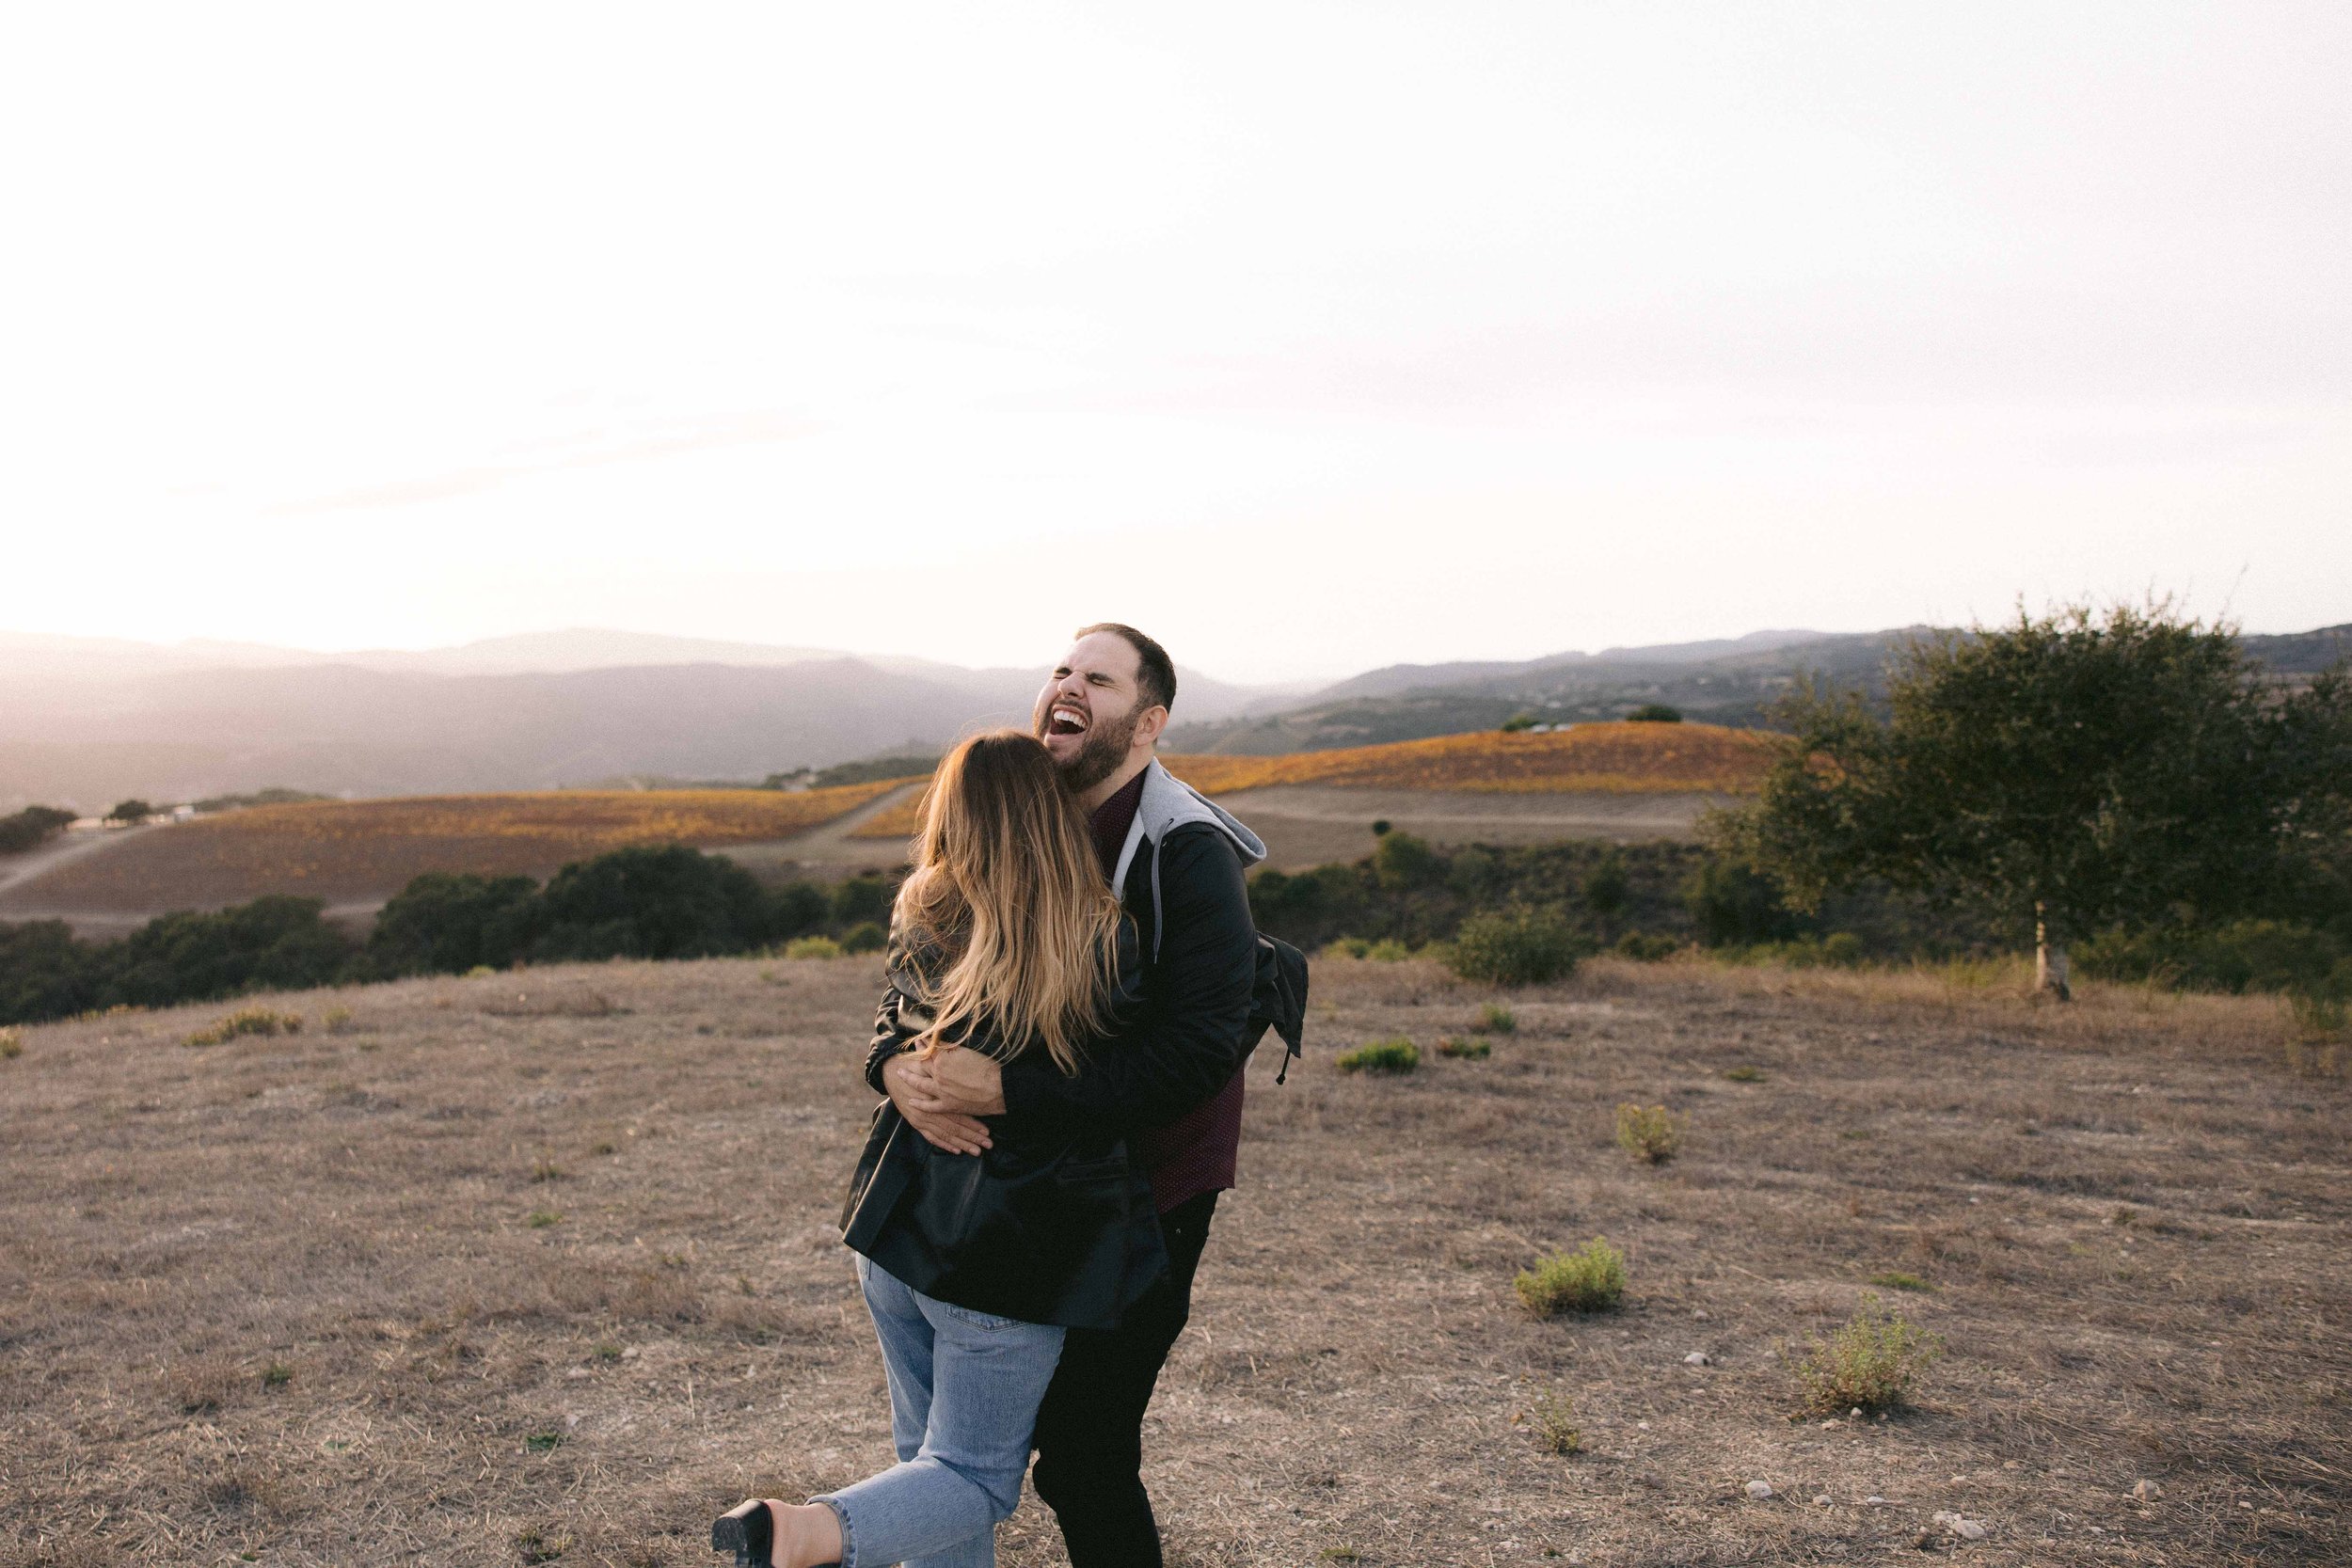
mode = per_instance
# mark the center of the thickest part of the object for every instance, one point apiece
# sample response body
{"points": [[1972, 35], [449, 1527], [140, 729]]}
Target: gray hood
{"points": [[1166, 804]]}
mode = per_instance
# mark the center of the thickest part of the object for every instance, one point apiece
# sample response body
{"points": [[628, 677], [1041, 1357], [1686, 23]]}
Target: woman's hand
{"points": [[913, 1087]]}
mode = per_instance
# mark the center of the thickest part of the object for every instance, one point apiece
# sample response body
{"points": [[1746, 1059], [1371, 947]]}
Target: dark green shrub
{"points": [[1398, 1056], [1655, 713], [1496, 1018], [1465, 1049], [1518, 721], [1649, 950], [798, 909], [274, 943], [30, 827], [865, 937], [1735, 905], [1523, 947], [44, 972], [133, 810], [1403, 860], [2245, 955], [861, 899], [670, 902], [445, 922], [1605, 886]]}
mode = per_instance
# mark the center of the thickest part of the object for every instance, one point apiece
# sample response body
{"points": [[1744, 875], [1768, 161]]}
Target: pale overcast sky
{"points": [[1310, 337]]}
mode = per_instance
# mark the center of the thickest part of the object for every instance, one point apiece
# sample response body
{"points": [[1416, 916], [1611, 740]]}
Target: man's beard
{"points": [[1104, 751]]}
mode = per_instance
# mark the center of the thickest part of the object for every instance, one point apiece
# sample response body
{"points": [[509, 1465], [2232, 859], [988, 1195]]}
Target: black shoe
{"points": [[749, 1531]]}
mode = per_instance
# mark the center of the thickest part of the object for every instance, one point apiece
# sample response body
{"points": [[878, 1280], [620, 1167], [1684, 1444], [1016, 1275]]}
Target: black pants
{"points": [[1089, 1430]]}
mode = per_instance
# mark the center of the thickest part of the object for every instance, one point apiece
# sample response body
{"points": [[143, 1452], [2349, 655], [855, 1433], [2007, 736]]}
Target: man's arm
{"points": [[1189, 1043], [908, 1082]]}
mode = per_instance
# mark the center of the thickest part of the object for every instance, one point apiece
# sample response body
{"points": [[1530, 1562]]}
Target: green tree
{"points": [[667, 902], [2078, 771], [28, 828], [449, 921], [133, 810], [1655, 713]]}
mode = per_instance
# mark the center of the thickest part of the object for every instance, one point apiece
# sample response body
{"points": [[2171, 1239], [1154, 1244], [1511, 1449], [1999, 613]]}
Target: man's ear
{"points": [[1150, 727]]}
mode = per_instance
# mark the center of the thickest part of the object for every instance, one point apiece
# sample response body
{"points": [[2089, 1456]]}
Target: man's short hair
{"points": [[1155, 673]]}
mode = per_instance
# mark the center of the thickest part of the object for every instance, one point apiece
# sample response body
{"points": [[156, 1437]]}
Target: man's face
{"points": [[1088, 712]]}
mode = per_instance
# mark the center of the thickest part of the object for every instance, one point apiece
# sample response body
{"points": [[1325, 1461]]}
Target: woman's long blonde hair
{"points": [[1006, 885]]}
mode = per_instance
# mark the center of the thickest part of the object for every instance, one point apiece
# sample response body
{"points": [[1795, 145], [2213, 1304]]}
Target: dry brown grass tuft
{"points": [[356, 1209]]}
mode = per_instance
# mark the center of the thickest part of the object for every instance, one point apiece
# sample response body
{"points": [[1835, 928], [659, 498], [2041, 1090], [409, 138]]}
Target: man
{"points": [[1174, 1081]]}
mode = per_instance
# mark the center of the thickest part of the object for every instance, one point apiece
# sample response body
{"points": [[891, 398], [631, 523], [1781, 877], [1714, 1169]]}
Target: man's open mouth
{"points": [[1065, 721]]}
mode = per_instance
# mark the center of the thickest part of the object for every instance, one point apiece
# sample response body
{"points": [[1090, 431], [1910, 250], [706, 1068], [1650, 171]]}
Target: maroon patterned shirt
{"points": [[1198, 1152]]}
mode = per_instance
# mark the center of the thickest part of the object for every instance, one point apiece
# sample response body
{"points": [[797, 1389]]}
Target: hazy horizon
{"points": [[1312, 337]]}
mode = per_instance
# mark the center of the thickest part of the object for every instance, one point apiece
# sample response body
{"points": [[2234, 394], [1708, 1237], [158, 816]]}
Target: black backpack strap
{"points": [[1280, 1000]]}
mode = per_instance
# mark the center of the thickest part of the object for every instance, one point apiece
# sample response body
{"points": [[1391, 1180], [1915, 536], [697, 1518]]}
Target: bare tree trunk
{"points": [[2049, 958]]}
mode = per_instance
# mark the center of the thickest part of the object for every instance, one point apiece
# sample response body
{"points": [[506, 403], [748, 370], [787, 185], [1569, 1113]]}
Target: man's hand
{"points": [[914, 1088], [969, 1080]]}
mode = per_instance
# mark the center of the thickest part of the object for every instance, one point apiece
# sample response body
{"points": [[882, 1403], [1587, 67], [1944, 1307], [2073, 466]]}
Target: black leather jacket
{"points": [[1051, 1225]]}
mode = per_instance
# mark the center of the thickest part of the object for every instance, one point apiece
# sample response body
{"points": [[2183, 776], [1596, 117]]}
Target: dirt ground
{"points": [[1310, 825], [540, 1267]]}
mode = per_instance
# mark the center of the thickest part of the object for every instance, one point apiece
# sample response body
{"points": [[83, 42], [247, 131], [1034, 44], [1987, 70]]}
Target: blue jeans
{"points": [[964, 1388]]}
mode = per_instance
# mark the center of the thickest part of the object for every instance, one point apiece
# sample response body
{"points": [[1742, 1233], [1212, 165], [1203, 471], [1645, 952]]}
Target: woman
{"points": [[1005, 939]]}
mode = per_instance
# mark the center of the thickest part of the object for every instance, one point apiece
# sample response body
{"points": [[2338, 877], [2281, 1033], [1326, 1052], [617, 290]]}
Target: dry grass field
{"points": [[1589, 759], [540, 1267], [345, 850]]}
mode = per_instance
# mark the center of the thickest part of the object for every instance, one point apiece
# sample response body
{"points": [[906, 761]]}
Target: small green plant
{"points": [[478, 972], [1650, 1133], [1647, 950], [1339, 1554], [11, 1045], [334, 1019], [606, 1350], [866, 936], [1388, 952], [1346, 947], [1895, 1279], [542, 1218], [546, 1169], [247, 1021], [276, 1375], [1468, 1051], [812, 948], [541, 1546], [1380, 826], [1744, 1074], [1396, 1055], [1551, 1416], [1521, 947], [1870, 1364], [1518, 721], [1496, 1018], [1590, 1279], [545, 1441]]}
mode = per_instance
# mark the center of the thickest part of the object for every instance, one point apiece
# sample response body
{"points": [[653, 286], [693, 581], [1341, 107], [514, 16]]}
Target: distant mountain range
{"points": [[87, 721], [1721, 682]]}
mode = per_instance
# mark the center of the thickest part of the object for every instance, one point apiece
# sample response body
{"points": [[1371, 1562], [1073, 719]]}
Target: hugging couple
{"points": [[1074, 986]]}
